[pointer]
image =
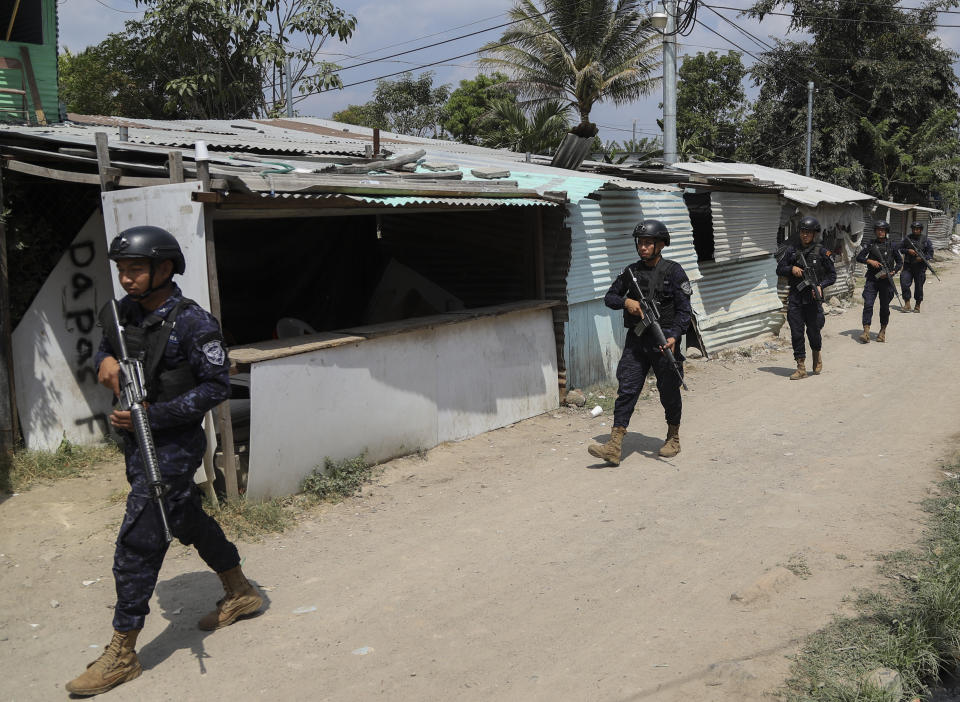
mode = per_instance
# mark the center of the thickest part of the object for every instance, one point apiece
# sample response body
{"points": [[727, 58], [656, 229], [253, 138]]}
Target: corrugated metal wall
{"points": [[744, 225], [731, 291], [43, 57], [940, 228], [602, 237]]}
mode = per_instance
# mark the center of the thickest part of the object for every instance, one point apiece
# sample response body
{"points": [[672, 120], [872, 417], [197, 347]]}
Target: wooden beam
{"points": [[32, 84], [103, 161], [386, 164], [123, 181], [538, 270], [335, 184], [8, 398], [175, 159]]}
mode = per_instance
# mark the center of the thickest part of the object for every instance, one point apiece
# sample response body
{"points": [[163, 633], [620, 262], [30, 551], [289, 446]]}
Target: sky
{"points": [[386, 27]]}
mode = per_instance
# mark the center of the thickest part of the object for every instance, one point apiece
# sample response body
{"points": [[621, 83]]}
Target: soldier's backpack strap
{"points": [[158, 330]]}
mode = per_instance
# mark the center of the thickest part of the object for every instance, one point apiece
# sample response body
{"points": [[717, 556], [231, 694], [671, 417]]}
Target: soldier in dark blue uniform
{"points": [[915, 249], [875, 255], [187, 374], [665, 282], [804, 310]]}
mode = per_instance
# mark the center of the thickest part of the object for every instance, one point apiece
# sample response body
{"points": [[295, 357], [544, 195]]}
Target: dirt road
{"points": [[511, 567]]}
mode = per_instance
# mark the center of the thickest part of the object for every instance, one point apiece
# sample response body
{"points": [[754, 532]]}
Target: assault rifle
{"points": [[885, 270], [920, 257], [132, 394], [810, 279], [651, 322]]}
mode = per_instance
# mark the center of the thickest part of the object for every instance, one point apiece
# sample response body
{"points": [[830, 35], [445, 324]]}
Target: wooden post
{"points": [[224, 420], [8, 398], [32, 84], [376, 141], [175, 159], [103, 161], [203, 175]]}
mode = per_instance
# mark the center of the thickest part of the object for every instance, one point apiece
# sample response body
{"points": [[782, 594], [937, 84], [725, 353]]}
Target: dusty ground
{"points": [[511, 567]]}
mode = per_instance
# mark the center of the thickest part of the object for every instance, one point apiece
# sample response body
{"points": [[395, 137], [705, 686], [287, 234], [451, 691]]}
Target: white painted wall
{"points": [[54, 344], [395, 394], [169, 207]]}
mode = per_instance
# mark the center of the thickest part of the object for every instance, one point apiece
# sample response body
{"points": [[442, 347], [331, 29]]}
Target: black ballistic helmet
{"points": [[882, 224], [810, 224], [147, 242], [917, 225], [652, 229]]}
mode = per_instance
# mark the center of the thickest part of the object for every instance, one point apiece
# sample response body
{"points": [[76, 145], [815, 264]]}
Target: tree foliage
{"points": [[468, 114], [875, 65], [578, 52], [407, 105], [536, 129], [711, 106], [209, 60]]}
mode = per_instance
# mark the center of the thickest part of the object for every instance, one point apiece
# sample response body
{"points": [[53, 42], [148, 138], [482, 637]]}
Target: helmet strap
{"points": [[153, 288]]}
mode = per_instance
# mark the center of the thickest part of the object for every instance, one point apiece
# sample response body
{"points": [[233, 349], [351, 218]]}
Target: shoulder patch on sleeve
{"points": [[686, 288], [211, 344]]}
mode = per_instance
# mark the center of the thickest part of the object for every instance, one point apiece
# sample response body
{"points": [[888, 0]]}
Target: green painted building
{"points": [[30, 26]]}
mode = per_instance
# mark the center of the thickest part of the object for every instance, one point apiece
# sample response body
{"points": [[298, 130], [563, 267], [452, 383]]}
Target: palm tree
{"points": [[538, 132], [579, 52]]}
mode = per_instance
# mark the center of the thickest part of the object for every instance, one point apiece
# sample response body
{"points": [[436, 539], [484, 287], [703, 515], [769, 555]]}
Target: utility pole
{"points": [[634, 131], [670, 83], [809, 123]]}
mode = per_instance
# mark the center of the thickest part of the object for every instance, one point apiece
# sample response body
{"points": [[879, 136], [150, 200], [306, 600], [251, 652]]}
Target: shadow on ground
{"points": [[183, 601]]}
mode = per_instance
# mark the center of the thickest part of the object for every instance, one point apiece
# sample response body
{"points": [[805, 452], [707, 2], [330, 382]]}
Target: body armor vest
{"points": [[651, 281], [148, 341], [814, 258]]}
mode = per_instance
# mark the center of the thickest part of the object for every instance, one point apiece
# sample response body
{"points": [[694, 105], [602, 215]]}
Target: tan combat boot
{"points": [[917, 307], [906, 306], [865, 337], [241, 599], [610, 451], [117, 664], [817, 362], [671, 447], [801, 371], [882, 336]]}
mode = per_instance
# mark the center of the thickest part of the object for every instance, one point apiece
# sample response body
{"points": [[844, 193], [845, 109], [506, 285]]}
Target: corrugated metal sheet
{"points": [[602, 237], [593, 342], [737, 331], [404, 200], [940, 229], [798, 188], [744, 224], [737, 290], [43, 58]]}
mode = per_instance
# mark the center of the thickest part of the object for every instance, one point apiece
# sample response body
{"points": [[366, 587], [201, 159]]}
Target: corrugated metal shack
{"points": [[428, 296], [840, 211]]}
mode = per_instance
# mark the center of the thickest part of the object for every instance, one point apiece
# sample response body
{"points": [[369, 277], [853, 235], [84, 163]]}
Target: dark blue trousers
{"points": [[913, 274], [805, 317], [873, 289], [140, 545], [635, 363]]}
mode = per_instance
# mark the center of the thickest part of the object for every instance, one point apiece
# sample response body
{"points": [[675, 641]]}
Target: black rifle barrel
{"points": [[810, 275], [132, 387]]}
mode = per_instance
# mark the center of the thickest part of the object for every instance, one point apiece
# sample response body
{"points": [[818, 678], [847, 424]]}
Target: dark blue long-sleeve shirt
{"points": [[887, 251], [815, 255], [922, 245]]}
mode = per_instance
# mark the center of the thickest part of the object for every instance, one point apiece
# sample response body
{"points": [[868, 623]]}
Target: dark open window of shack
{"points": [[281, 277], [27, 18], [701, 219]]}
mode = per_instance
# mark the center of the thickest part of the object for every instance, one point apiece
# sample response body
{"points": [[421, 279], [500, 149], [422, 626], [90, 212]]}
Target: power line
{"points": [[831, 18]]}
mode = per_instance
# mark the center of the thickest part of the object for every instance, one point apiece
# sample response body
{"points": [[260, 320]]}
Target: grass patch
{"points": [[70, 460], [338, 479], [912, 625], [251, 520]]}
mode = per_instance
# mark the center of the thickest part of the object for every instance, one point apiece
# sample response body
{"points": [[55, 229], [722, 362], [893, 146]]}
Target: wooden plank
{"points": [[175, 159], [282, 348], [539, 273], [103, 161], [8, 397], [93, 178], [288, 183], [32, 84], [385, 164]]}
